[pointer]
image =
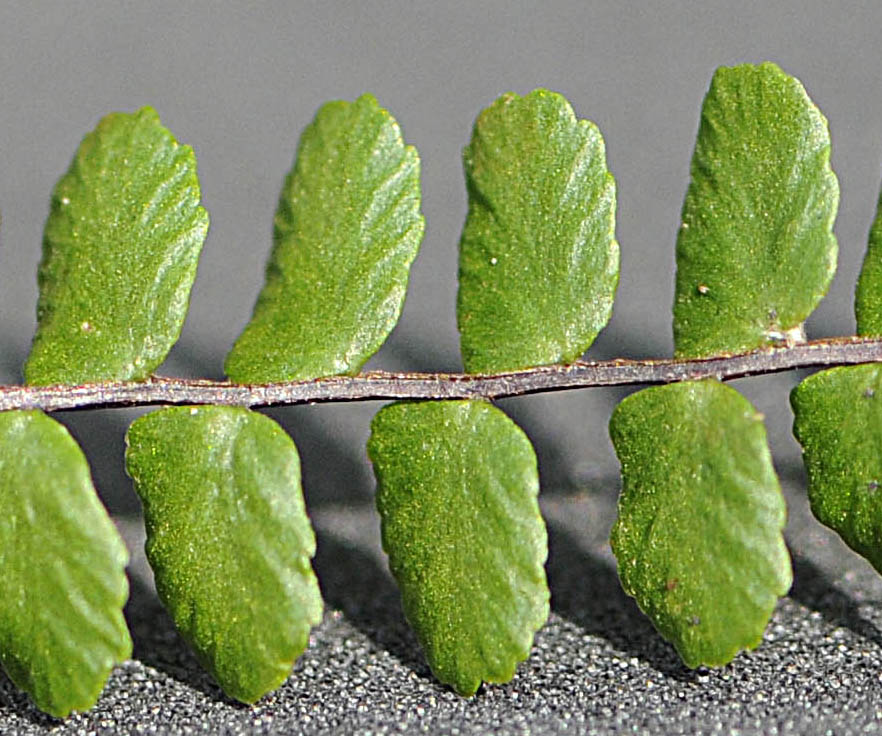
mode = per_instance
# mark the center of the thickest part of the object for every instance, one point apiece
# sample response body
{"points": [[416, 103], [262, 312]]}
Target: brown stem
{"points": [[379, 385]]}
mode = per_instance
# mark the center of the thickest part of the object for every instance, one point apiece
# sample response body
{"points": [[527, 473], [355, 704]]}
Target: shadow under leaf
{"points": [[352, 581], [813, 589], [158, 644], [585, 590], [14, 700]]}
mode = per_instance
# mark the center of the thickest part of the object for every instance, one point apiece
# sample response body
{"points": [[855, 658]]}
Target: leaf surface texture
{"points": [[347, 229], [539, 262], [868, 297], [120, 249], [698, 537], [755, 250], [456, 489], [838, 422], [228, 539], [63, 584]]}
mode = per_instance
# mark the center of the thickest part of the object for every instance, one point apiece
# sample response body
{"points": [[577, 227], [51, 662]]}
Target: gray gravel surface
{"points": [[597, 667]]}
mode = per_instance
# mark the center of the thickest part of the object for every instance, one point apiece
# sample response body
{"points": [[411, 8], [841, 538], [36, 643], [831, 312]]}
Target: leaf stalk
{"points": [[378, 385]]}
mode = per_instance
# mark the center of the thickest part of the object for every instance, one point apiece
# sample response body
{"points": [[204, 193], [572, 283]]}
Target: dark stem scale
{"points": [[380, 385]]}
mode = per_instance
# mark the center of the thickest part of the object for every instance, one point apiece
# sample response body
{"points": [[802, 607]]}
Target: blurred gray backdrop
{"points": [[239, 81]]}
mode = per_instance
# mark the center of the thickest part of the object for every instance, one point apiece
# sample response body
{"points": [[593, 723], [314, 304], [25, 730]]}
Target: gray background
{"points": [[239, 82]]}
